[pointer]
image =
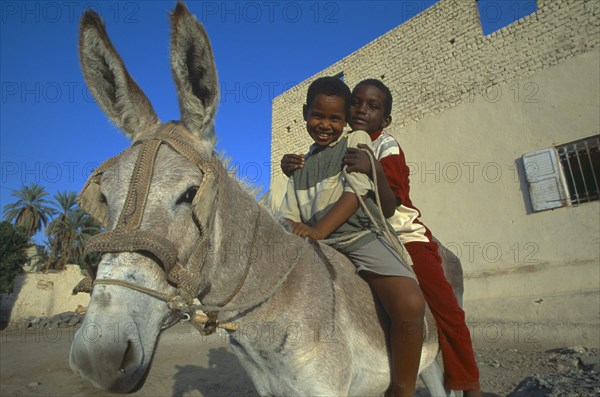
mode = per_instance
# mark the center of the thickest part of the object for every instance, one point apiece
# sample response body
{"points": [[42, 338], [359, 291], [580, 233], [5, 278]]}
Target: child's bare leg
{"points": [[403, 302]]}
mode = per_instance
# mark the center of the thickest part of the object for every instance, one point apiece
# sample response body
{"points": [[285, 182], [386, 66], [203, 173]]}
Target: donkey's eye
{"points": [[188, 196]]}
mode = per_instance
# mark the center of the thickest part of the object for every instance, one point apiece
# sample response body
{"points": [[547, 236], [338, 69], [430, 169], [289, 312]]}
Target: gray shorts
{"points": [[381, 258]]}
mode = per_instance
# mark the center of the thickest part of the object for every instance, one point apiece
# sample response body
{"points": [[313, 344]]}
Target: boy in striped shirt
{"points": [[321, 202]]}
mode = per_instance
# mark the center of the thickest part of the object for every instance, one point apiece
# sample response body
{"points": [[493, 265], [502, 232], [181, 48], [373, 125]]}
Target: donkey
{"points": [[180, 227]]}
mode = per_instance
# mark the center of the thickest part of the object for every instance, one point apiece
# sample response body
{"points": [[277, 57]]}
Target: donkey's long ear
{"points": [[107, 78], [194, 72]]}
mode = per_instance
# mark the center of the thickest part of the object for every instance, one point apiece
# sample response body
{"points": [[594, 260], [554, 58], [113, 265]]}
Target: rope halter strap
{"points": [[127, 235]]}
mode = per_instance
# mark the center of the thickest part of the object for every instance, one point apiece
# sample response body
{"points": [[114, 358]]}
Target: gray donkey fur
{"points": [[314, 330]]}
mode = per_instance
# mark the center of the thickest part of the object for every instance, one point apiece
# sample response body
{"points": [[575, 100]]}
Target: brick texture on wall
{"points": [[441, 58]]}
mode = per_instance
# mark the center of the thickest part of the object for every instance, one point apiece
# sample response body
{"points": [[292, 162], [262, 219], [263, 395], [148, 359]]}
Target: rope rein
{"points": [[385, 232], [261, 298]]}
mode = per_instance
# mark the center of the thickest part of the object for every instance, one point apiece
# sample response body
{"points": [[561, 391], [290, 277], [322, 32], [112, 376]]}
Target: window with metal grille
{"points": [[564, 175], [580, 162]]}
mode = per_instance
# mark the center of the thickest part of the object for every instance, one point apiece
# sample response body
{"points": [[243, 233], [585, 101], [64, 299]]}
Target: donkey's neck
{"points": [[250, 251]]}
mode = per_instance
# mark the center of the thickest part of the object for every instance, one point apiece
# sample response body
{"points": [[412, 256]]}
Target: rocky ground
{"points": [[34, 362], [537, 372]]}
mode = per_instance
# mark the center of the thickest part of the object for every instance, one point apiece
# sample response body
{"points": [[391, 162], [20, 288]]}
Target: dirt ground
{"points": [[35, 363]]}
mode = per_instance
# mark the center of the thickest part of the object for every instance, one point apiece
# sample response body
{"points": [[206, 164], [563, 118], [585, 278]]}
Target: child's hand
{"points": [[291, 162], [358, 160], [302, 230]]}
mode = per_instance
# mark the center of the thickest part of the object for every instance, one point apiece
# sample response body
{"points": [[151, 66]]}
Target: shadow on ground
{"points": [[213, 381]]}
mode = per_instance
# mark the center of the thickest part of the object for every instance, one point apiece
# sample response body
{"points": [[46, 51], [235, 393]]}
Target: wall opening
{"points": [[580, 161], [564, 175], [496, 14]]}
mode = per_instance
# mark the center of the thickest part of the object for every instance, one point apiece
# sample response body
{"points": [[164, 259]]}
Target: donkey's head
{"points": [[155, 200]]}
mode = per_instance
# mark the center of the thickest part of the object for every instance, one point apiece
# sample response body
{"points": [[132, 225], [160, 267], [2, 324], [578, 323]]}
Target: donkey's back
{"points": [[322, 333]]}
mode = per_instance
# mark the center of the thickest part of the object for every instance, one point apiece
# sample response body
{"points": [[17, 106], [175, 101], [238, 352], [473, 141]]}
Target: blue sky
{"points": [[53, 133]]}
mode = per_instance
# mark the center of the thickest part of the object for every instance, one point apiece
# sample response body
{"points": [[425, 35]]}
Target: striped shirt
{"points": [[405, 220], [315, 188]]}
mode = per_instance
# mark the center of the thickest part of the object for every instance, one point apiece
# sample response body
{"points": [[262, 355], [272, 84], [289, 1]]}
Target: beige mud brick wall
{"points": [[44, 294], [466, 108]]}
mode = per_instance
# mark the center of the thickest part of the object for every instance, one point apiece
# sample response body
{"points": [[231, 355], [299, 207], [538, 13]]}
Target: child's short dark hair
{"points": [[329, 86], [387, 106]]}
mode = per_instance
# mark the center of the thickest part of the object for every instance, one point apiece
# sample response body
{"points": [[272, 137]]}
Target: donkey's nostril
{"points": [[127, 357]]}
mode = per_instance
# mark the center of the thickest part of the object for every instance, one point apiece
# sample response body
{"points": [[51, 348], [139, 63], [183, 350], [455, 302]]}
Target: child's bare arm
{"points": [[357, 160], [337, 215]]}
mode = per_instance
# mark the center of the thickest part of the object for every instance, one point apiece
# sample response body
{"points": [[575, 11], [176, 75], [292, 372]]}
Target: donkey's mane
{"points": [[264, 201]]}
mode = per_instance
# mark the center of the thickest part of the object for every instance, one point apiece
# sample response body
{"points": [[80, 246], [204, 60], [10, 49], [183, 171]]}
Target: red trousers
{"points": [[460, 367]]}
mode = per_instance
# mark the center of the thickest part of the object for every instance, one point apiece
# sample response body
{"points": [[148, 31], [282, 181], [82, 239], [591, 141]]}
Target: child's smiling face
{"points": [[325, 119]]}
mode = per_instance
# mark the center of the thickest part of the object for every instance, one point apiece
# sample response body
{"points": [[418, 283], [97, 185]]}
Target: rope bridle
{"points": [[127, 235]]}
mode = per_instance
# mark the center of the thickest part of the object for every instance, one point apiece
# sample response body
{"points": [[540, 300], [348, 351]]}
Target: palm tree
{"points": [[66, 201], [68, 232], [31, 211], [59, 231]]}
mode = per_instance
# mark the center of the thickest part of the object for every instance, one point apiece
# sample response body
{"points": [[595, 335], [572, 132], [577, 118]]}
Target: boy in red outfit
{"points": [[370, 110]]}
